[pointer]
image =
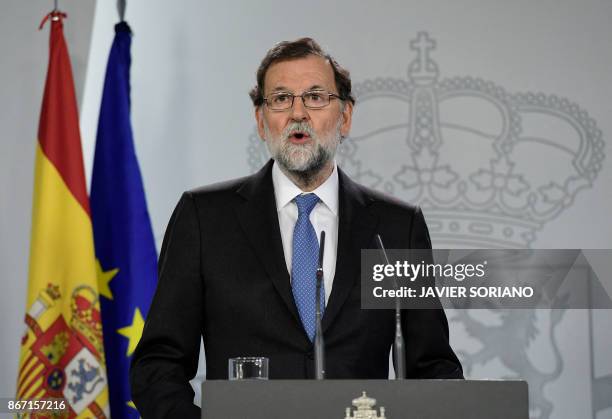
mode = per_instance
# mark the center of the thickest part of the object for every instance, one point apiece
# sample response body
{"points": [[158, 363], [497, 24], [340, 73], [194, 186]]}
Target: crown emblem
{"points": [[85, 317], [489, 168], [364, 409], [466, 152], [53, 291]]}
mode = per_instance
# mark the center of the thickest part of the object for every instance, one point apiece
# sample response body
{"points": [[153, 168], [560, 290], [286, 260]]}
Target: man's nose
{"points": [[298, 110]]}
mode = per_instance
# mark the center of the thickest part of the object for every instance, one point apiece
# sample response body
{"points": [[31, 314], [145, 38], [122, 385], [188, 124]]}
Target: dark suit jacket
{"points": [[223, 277]]}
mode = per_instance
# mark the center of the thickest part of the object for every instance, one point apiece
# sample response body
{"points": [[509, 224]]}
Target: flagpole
{"points": [[121, 9]]}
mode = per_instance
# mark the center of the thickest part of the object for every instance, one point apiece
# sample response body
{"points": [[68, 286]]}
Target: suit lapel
{"points": [[356, 227], [259, 220]]}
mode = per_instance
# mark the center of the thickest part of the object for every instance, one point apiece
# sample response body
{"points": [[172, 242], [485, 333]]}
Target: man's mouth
{"points": [[299, 137]]}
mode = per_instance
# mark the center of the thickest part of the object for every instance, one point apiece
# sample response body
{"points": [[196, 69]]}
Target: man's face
{"points": [[301, 139]]}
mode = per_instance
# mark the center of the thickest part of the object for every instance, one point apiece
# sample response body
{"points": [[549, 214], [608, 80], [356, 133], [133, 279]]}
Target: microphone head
{"points": [[321, 252], [379, 242]]}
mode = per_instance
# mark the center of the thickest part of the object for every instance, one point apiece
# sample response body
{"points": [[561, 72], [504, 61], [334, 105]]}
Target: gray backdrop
{"points": [[495, 120]]}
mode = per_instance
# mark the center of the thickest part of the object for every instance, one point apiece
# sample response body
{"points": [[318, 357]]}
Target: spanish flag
{"points": [[62, 351]]}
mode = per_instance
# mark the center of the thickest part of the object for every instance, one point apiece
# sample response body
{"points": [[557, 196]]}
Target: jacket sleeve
{"points": [[166, 357], [428, 350]]}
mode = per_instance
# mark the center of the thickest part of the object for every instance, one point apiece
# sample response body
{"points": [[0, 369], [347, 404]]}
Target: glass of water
{"points": [[248, 368]]}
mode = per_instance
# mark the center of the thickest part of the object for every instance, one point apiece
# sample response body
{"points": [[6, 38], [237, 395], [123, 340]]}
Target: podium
{"points": [[391, 399]]}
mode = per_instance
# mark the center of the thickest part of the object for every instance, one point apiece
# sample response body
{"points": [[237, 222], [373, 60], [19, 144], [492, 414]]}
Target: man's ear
{"points": [[347, 118], [260, 122]]}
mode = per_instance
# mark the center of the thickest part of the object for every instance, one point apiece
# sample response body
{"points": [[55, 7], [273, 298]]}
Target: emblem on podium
{"points": [[364, 409]]}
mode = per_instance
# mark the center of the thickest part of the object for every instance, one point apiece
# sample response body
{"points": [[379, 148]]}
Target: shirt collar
{"points": [[285, 190]]}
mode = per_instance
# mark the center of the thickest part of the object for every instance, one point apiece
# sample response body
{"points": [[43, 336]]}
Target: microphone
{"points": [[399, 350], [319, 344]]}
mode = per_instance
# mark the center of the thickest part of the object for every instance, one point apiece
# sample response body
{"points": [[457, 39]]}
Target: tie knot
{"points": [[306, 203]]}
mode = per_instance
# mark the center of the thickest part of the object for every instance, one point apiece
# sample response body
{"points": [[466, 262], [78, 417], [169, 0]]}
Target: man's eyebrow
{"points": [[286, 89], [316, 87], [281, 89]]}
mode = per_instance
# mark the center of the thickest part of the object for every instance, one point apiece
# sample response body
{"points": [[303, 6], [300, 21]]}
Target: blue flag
{"points": [[125, 247]]}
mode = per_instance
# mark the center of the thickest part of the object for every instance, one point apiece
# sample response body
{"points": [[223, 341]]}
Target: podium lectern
{"points": [[333, 399]]}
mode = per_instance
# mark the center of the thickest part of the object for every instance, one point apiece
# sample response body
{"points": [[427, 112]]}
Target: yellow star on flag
{"points": [[133, 332], [103, 280]]}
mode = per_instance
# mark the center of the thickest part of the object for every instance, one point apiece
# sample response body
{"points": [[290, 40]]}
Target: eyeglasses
{"points": [[315, 99]]}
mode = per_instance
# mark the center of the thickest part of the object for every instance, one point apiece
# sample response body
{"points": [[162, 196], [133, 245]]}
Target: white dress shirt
{"points": [[324, 217]]}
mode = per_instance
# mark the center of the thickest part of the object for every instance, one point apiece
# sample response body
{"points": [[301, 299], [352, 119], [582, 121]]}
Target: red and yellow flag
{"points": [[62, 351]]}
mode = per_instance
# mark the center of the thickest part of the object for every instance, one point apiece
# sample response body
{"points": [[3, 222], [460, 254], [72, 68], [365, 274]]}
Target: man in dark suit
{"points": [[238, 261]]}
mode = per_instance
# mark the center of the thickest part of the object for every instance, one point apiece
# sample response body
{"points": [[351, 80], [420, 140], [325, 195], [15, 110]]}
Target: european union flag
{"points": [[124, 242]]}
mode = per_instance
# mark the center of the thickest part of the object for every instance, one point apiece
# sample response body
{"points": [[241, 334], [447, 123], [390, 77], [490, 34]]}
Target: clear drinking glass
{"points": [[248, 368]]}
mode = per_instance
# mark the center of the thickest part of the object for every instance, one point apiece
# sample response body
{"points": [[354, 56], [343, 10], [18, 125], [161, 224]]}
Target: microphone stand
{"points": [[319, 344], [399, 349]]}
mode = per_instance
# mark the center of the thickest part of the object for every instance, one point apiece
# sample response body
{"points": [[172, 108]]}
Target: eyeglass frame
{"points": [[293, 96]]}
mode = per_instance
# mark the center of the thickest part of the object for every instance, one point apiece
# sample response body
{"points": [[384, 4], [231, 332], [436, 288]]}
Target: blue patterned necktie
{"points": [[304, 263]]}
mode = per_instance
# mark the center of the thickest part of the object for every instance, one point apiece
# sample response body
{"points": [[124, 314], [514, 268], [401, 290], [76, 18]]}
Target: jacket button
{"points": [[310, 355]]}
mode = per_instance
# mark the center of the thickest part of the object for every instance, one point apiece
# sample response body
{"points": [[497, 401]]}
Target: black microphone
{"points": [[319, 344], [399, 350]]}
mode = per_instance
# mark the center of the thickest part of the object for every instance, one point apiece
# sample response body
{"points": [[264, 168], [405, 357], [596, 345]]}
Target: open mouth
{"points": [[299, 136]]}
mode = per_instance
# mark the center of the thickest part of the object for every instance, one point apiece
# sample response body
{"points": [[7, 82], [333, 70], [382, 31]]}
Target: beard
{"points": [[303, 160]]}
